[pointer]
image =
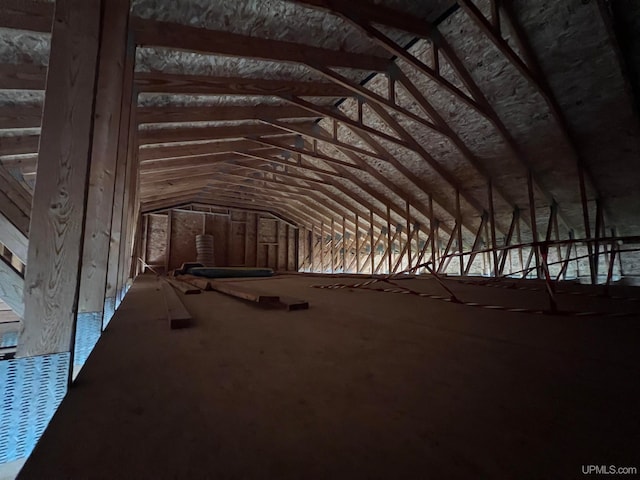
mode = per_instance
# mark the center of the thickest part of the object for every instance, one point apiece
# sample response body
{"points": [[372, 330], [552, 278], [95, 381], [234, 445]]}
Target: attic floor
{"points": [[362, 385]]}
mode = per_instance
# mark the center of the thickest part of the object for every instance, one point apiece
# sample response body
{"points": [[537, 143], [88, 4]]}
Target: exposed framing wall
{"points": [[241, 238]]}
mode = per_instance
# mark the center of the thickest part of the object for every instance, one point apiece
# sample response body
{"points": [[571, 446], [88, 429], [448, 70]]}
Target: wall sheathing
{"points": [[240, 239]]}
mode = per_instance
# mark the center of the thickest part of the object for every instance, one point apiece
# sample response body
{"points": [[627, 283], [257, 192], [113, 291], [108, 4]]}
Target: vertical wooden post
{"points": [[492, 219], [344, 244], [312, 240], [296, 250], [389, 260], [596, 246], [519, 240], [373, 247], [60, 199], [302, 236], [114, 88], [409, 246], [256, 243], [508, 241], [117, 223], [357, 244], [459, 231], [534, 224], [145, 240], [333, 245], [433, 227], [129, 205], [277, 249], [322, 240], [167, 260]]}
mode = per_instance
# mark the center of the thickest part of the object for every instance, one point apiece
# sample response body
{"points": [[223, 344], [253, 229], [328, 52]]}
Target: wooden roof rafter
{"points": [[206, 134], [353, 179], [366, 133], [175, 36], [346, 174], [296, 202], [364, 15], [160, 82], [353, 152], [195, 150]]}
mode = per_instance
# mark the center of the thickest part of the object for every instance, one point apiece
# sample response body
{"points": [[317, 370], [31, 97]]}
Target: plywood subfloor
{"points": [[361, 385]]}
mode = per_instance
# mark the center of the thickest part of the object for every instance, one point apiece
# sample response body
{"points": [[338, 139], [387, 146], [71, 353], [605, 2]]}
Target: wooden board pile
{"points": [[189, 282]]}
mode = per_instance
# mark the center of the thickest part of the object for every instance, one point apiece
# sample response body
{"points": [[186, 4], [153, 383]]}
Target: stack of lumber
{"points": [[244, 292], [177, 314]]}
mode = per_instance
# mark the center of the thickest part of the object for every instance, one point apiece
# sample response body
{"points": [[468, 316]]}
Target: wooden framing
{"points": [[11, 287], [114, 86], [156, 82], [182, 37], [59, 204], [312, 172]]}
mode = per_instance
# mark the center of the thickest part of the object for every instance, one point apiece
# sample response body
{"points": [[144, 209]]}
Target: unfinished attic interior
{"points": [[319, 239]]}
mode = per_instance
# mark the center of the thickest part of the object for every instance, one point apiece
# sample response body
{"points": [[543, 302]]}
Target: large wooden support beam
{"points": [[114, 84], [21, 117], [220, 113], [209, 85], [22, 77], [125, 130], [131, 207], [11, 287], [146, 155], [165, 135], [26, 15], [59, 203], [182, 37], [19, 145]]}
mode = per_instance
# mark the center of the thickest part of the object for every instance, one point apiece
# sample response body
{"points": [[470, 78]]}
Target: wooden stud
{"points": [[389, 265], [433, 234], [112, 89], [183, 37], [373, 243], [13, 238], [534, 222], [59, 203], [514, 220], [118, 224], [167, 260], [357, 244], [11, 287], [322, 247], [459, 232], [408, 218], [344, 246], [492, 220], [333, 246]]}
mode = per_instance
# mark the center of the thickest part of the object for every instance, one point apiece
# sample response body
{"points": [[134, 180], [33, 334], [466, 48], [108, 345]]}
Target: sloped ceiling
{"points": [[529, 101]]}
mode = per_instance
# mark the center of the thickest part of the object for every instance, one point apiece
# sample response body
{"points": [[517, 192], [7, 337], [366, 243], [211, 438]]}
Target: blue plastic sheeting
{"points": [[9, 339], [31, 390], [88, 331]]}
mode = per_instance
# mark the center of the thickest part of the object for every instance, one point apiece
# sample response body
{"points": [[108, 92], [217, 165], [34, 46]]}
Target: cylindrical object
{"points": [[204, 250]]}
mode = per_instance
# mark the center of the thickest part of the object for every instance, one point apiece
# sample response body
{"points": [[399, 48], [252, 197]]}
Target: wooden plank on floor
{"points": [[291, 304], [199, 282], [243, 293], [184, 287], [177, 314]]}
